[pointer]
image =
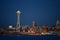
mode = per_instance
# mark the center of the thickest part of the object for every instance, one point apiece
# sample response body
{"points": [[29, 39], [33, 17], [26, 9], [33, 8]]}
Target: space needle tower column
{"points": [[18, 21]]}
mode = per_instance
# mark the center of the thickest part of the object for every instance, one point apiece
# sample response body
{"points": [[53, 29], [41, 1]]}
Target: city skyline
{"points": [[39, 20], [44, 12], [18, 21]]}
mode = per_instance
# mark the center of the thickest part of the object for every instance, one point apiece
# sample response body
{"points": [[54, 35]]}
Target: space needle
{"points": [[18, 21]]}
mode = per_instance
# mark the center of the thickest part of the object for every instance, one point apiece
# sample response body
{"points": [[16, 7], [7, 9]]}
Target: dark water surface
{"points": [[28, 37]]}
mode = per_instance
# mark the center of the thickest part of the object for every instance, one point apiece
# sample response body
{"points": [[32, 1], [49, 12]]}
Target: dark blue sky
{"points": [[45, 12]]}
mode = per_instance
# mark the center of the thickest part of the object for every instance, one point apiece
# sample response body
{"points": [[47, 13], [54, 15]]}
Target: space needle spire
{"points": [[18, 21]]}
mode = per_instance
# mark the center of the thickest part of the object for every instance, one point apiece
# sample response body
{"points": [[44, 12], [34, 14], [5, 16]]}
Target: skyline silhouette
{"points": [[45, 12]]}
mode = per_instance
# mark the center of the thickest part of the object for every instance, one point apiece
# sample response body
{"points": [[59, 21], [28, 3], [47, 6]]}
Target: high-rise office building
{"points": [[34, 23]]}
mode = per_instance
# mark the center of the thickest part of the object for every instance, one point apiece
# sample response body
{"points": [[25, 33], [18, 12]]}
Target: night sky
{"points": [[45, 12]]}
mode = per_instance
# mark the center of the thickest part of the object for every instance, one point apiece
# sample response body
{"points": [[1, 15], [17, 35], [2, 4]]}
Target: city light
{"points": [[10, 26], [34, 30]]}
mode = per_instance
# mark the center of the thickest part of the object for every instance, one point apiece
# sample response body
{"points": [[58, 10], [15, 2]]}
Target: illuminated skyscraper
{"points": [[58, 24], [34, 23], [18, 21]]}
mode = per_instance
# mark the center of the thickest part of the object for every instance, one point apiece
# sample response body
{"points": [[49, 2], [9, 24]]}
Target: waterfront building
{"points": [[44, 29], [57, 27], [31, 30], [25, 28], [34, 24], [58, 24]]}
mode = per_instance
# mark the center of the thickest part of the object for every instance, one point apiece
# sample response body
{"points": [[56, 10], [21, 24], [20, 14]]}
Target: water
{"points": [[27, 37]]}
